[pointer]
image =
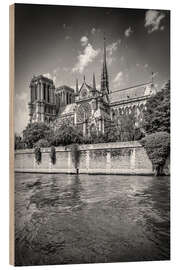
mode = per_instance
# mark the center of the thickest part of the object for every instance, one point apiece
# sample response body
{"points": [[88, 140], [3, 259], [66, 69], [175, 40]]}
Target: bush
{"points": [[37, 152], [42, 143], [75, 153], [138, 134], [35, 132], [126, 128], [53, 155], [66, 135], [18, 142], [157, 115], [157, 146]]}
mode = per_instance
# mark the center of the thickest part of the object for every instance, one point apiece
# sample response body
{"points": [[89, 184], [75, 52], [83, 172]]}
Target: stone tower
{"points": [[64, 96], [42, 105]]}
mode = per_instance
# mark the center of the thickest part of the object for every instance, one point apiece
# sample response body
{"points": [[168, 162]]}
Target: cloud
{"points": [[66, 69], [118, 78], [48, 75], [65, 26], [155, 74], [52, 77], [67, 37], [21, 111], [111, 48], [84, 41], [93, 31], [121, 58], [162, 28], [128, 31], [98, 86], [142, 66], [153, 20], [84, 58]]}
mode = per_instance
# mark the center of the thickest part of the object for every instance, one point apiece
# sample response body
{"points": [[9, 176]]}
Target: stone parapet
{"points": [[103, 158]]}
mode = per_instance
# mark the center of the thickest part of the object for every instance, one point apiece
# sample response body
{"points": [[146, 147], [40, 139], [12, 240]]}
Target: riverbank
{"points": [[128, 158]]}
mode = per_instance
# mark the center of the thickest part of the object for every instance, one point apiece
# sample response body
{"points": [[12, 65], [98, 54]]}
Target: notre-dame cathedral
{"points": [[88, 108]]}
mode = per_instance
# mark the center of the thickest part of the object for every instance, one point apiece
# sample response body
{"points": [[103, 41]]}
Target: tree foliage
{"points": [[123, 129], [18, 142], [65, 135], [157, 115], [37, 152], [53, 155], [157, 146], [75, 153], [35, 132], [127, 127], [42, 143], [120, 130], [42, 135]]}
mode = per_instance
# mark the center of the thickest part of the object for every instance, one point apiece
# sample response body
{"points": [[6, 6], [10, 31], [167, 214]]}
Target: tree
{"points": [[18, 142], [42, 143], [157, 146], [53, 155], [111, 133], [38, 155], [75, 153], [127, 127], [35, 132], [121, 129], [157, 115], [65, 135]]}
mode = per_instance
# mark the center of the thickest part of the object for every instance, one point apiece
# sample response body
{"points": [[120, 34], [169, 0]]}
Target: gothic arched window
{"points": [[83, 112], [93, 130]]}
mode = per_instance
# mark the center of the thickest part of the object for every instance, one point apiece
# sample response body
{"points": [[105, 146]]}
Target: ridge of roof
{"points": [[130, 88], [87, 85]]}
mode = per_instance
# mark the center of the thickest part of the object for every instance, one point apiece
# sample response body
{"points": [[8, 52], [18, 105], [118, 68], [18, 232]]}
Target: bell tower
{"points": [[42, 105]]}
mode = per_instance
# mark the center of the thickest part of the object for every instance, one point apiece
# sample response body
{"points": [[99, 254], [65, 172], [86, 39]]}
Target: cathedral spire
{"points": [[94, 82], [152, 77], [104, 74], [104, 52], [77, 89]]}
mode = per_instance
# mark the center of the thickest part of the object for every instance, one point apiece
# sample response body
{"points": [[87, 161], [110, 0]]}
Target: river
{"points": [[65, 219]]}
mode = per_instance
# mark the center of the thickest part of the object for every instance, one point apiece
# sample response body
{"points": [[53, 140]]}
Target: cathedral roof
{"points": [[68, 109], [90, 88], [127, 94]]}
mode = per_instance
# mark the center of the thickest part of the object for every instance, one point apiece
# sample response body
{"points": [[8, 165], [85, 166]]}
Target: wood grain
{"points": [[11, 135]]}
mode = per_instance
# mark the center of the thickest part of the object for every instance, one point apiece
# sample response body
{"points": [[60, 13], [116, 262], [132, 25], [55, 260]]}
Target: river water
{"points": [[61, 219]]}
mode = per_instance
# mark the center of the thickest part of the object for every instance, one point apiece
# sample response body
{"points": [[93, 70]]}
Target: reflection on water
{"points": [[62, 219]]}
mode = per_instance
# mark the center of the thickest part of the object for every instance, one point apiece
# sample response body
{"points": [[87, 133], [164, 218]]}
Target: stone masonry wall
{"points": [[105, 158]]}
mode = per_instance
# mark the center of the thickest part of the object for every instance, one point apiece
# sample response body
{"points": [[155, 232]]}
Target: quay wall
{"points": [[104, 158]]}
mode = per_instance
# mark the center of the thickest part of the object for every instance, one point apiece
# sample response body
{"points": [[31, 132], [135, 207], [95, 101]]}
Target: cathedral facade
{"points": [[89, 109]]}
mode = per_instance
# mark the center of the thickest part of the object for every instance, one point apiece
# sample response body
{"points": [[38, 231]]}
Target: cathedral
{"points": [[90, 109]]}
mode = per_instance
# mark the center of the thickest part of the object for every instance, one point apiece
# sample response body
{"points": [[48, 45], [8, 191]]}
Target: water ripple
{"points": [[90, 218]]}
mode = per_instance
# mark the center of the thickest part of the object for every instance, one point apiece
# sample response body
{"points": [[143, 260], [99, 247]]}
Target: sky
{"points": [[66, 43]]}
